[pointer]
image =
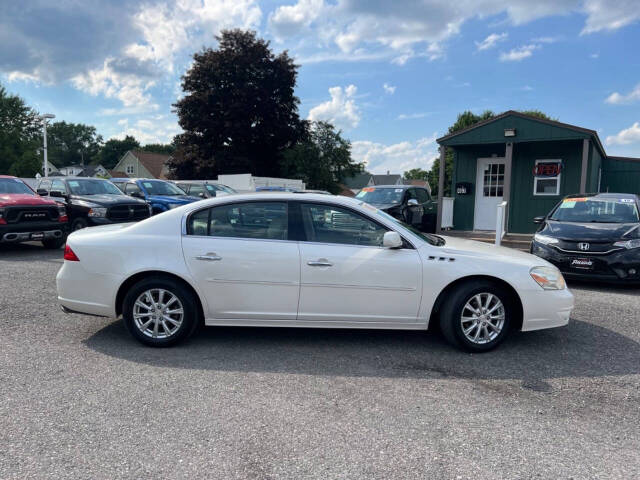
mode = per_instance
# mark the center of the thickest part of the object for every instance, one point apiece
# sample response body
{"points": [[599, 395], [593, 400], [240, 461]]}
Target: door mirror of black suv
{"points": [[56, 193], [538, 219], [412, 202], [201, 195], [42, 192], [137, 194]]}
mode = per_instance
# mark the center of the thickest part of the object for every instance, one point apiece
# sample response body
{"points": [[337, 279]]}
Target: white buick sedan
{"points": [[291, 260]]}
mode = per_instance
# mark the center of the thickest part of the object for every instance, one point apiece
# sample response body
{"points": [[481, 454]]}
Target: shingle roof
{"points": [[154, 162], [357, 181], [386, 179]]}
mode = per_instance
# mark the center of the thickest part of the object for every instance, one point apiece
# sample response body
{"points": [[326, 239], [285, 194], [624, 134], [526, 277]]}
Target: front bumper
{"points": [[546, 309], [621, 266], [19, 232]]}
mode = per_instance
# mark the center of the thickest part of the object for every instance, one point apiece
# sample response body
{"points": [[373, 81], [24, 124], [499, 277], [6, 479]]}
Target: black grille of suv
{"points": [[585, 248], [128, 212], [31, 214]]}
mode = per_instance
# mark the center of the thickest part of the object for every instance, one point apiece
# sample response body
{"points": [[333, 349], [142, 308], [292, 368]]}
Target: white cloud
{"points": [[625, 137], [491, 41], [397, 157], [527, 88], [517, 54], [595, 55], [289, 20], [617, 99], [545, 39], [389, 89], [129, 88], [167, 30], [412, 116], [609, 15], [158, 129], [341, 110]]}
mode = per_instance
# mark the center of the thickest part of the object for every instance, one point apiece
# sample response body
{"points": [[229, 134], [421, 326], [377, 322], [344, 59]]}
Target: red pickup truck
{"points": [[25, 216]]}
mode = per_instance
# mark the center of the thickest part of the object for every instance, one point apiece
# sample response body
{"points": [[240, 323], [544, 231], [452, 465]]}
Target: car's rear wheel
{"points": [[477, 315], [79, 224], [160, 312]]}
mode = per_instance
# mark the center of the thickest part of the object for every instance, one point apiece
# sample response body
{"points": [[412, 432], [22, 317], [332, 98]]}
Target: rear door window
{"points": [[255, 220]]}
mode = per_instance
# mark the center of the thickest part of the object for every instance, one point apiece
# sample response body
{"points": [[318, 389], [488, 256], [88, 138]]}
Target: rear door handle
{"points": [[209, 257], [321, 262]]}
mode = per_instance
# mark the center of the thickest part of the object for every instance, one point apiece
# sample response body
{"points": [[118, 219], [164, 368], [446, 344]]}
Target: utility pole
{"points": [[44, 118]]}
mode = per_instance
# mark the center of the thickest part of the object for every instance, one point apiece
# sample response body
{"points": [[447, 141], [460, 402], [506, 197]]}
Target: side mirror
{"points": [[412, 202], [137, 194], [42, 192], [538, 220], [392, 240], [201, 195], [56, 193]]}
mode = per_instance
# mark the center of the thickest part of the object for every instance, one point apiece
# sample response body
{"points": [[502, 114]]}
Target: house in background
{"points": [[52, 169], [72, 170], [139, 164], [84, 171]]}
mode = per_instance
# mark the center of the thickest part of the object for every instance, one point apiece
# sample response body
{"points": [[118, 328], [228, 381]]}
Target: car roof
{"points": [[7, 176], [604, 195], [403, 186]]}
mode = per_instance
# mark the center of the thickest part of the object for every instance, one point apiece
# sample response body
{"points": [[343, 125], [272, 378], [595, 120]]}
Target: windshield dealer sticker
{"points": [[398, 190], [368, 189], [567, 204], [626, 200], [73, 183]]}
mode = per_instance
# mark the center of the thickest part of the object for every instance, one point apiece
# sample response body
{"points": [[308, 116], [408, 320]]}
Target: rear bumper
{"points": [[88, 293]]}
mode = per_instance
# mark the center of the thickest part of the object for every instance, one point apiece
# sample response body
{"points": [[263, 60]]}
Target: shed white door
{"points": [[489, 190]]}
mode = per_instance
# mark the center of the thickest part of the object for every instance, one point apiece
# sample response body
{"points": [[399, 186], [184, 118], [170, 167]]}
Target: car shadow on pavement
{"points": [[578, 350], [29, 252]]}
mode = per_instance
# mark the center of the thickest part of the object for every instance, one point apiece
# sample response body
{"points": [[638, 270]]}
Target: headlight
{"points": [[98, 212], [174, 205], [544, 239], [549, 278], [628, 244]]}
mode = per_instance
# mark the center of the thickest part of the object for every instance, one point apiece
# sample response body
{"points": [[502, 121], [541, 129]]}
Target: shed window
{"points": [[546, 185], [130, 169]]}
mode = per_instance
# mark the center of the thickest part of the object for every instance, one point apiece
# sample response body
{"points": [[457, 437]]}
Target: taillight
{"points": [[2, 219], [69, 255], [62, 215]]}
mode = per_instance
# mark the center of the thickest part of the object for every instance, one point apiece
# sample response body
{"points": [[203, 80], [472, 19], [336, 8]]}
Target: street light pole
{"points": [[44, 119]]}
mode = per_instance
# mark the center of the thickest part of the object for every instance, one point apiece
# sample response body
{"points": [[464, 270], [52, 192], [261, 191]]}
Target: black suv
{"points": [[93, 201]]}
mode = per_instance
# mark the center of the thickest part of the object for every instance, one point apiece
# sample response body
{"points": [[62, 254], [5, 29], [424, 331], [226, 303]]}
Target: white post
{"points": [[44, 135], [500, 214]]}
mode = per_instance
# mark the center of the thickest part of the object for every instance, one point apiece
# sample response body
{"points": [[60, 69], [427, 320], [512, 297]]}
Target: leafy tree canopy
{"points": [[239, 112], [322, 158], [20, 137], [114, 149], [416, 174], [72, 143]]}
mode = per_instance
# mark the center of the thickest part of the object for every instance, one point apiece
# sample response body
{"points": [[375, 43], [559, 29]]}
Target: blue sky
{"points": [[392, 75]]}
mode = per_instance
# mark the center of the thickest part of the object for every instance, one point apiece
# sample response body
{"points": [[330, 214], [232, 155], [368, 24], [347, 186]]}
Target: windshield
{"points": [[92, 187], [381, 196], [427, 237], [222, 188], [158, 187], [596, 210], [13, 185]]}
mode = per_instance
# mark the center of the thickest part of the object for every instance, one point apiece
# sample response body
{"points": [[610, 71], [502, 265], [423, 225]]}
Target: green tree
{"points": [[416, 174], [164, 148], [72, 143], [239, 112], [113, 150], [20, 136], [322, 158]]}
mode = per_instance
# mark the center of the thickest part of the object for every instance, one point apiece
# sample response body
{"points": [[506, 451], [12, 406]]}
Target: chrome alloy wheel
{"points": [[482, 318], [158, 313]]}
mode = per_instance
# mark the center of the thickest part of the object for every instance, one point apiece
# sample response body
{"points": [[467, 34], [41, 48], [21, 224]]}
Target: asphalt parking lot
{"points": [[80, 399]]}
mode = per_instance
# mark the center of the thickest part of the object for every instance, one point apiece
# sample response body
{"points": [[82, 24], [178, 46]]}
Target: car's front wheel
{"points": [[477, 315], [160, 312]]}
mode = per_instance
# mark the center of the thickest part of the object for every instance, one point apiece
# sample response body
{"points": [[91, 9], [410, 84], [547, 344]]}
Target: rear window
{"points": [[14, 186], [597, 210]]}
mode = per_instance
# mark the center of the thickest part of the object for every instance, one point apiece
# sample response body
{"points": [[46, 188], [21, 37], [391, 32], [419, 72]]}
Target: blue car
{"points": [[160, 194]]}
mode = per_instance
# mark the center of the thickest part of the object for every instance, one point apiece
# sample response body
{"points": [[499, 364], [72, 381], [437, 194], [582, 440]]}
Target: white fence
{"points": [[245, 182], [447, 212]]}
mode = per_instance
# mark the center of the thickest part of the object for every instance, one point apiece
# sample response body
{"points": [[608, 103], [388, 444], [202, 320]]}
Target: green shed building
{"points": [[530, 163]]}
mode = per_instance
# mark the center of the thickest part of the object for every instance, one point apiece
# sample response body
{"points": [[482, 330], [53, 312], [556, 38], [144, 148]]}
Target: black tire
{"points": [[451, 314], [79, 224], [190, 318], [54, 243]]}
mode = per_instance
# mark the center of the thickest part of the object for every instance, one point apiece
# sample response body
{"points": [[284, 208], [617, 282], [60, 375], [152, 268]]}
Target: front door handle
{"points": [[209, 257], [321, 262]]}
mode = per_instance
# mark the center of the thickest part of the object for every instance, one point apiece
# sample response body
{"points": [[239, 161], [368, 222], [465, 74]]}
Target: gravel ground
{"points": [[80, 399]]}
